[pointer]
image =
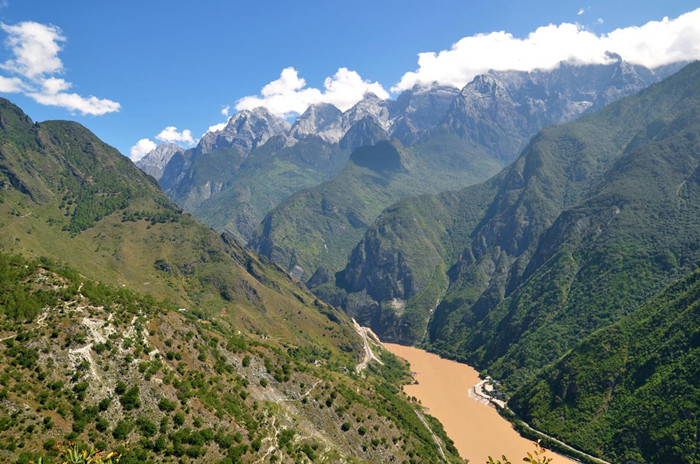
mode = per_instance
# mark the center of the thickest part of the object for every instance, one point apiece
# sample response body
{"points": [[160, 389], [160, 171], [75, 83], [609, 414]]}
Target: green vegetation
{"points": [[593, 218], [317, 227], [68, 196], [99, 381], [233, 193], [629, 392], [178, 375]]}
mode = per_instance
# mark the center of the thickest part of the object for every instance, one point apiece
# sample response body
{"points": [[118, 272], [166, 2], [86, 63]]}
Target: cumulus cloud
{"points": [[74, 102], [171, 135], [168, 135], [225, 110], [35, 49], [654, 44], [142, 148], [289, 94], [217, 127], [11, 84], [580, 11]]}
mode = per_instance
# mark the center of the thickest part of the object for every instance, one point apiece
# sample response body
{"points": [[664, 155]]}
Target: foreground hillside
{"points": [[83, 362], [68, 196]]}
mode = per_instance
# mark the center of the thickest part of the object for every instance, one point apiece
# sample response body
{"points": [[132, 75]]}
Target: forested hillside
{"points": [[595, 217]]}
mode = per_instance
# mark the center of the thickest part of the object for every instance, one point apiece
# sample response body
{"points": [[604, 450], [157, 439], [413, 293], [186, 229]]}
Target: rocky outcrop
{"points": [[155, 161], [502, 109], [245, 130]]}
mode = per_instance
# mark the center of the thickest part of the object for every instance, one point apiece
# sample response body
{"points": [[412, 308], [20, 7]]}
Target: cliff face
{"points": [[502, 109], [154, 163]]}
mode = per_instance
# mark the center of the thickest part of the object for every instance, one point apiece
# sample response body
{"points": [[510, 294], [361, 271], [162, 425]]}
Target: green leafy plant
{"points": [[72, 453]]}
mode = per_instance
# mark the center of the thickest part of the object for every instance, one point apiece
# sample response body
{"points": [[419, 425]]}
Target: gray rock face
{"points": [[418, 110], [366, 131], [246, 130], [501, 109], [323, 120], [370, 106], [155, 161]]}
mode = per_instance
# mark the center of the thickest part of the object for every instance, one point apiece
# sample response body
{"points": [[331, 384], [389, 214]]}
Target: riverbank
{"points": [[477, 430]]}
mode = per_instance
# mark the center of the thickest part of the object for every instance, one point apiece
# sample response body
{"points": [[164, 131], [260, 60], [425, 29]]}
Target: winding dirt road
{"points": [[369, 355]]}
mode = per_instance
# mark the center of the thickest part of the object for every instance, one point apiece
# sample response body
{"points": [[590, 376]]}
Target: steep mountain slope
{"points": [[84, 362], [415, 112], [322, 119], [490, 120], [628, 392], [316, 228], [497, 113], [231, 191], [68, 196], [235, 175], [593, 218], [245, 130], [225, 358]]}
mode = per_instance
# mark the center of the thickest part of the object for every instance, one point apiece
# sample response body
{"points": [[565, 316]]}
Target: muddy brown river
{"points": [[477, 430]]}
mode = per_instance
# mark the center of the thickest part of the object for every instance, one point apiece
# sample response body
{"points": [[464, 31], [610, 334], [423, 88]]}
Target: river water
{"points": [[477, 430]]}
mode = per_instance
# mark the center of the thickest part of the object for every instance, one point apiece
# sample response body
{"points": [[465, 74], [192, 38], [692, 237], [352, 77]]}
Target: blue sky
{"points": [[155, 64]]}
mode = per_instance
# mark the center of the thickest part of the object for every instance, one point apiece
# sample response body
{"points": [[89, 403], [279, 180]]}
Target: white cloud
{"points": [[74, 102], [11, 84], [35, 49], [217, 127], [580, 11], [599, 21], [225, 110], [653, 44], [171, 135], [168, 135], [53, 85], [142, 148], [289, 93]]}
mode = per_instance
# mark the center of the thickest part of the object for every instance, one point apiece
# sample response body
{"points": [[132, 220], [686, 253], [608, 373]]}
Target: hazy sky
{"points": [[151, 71]]}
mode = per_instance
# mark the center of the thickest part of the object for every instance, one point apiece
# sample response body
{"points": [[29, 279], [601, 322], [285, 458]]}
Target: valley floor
{"points": [[478, 431]]}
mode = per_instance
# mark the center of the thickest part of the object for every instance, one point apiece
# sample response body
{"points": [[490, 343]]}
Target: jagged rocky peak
{"points": [[420, 109], [429, 99], [371, 105], [155, 160], [245, 130], [321, 119], [524, 102], [366, 131]]}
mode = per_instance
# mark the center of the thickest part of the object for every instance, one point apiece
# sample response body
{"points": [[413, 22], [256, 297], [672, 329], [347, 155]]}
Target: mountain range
{"points": [[565, 249], [542, 226], [127, 325], [484, 129], [236, 175]]}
